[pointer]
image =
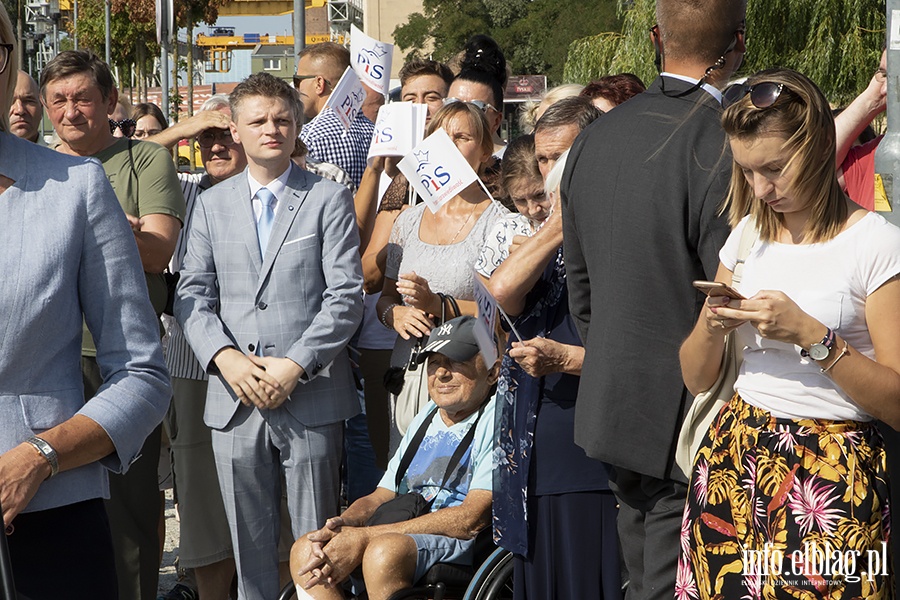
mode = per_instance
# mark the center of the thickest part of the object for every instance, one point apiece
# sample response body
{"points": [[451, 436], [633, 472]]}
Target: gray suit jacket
{"points": [[302, 301], [66, 249]]}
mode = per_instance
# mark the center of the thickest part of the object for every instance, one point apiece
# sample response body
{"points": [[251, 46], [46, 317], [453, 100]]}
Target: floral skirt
{"points": [[781, 508]]}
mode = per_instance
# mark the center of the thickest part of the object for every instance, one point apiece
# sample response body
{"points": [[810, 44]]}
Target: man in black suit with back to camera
{"points": [[641, 195]]}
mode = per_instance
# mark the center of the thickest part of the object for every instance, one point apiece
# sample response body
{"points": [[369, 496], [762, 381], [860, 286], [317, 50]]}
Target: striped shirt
{"points": [[179, 357]]}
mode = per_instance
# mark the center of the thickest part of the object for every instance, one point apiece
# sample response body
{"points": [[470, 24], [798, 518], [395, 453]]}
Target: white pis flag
{"points": [[486, 321], [371, 60], [398, 128], [437, 170], [347, 98]]}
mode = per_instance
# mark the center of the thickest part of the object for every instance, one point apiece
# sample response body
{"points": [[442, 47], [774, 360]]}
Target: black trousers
{"points": [[133, 508], [649, 524], [64, 552]]}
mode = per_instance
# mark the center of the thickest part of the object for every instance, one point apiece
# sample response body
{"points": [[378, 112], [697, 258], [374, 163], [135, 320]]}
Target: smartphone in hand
{"points": [[717, 288]]}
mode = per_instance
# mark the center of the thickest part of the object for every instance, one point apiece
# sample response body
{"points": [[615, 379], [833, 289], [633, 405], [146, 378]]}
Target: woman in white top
{"points": [[793, 470]]}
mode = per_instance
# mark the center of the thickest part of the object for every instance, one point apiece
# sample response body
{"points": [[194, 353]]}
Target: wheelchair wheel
{"points": [[288, 592], [494, 579]]}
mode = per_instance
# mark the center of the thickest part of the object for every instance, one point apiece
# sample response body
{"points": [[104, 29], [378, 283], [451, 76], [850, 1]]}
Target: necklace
{"points": [[461, 227]]}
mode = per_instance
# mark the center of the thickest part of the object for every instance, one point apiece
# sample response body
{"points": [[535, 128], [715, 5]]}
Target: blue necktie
{"points": [[266, 218]]}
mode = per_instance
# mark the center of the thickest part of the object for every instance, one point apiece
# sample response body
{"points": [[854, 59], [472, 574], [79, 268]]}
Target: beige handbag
{"points": [[708, 404]]}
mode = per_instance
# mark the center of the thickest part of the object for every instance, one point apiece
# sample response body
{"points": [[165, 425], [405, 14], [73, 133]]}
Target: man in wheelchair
{"points": [[439, 480]]}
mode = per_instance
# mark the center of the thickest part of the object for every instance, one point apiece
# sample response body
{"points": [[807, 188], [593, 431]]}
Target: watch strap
{"points": [[827, 341], [47, 451]]}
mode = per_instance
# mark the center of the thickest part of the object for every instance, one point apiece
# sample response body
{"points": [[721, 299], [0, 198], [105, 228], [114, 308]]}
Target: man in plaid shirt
{"points": [[319, 68]]}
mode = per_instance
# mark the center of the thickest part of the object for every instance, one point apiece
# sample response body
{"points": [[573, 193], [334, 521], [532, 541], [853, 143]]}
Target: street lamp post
{"points": [[106, 10], [299, 26], [887, 156]]}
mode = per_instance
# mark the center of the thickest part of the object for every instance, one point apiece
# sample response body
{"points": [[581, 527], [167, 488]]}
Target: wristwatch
{"points": [[820, 350], [47, 451]]}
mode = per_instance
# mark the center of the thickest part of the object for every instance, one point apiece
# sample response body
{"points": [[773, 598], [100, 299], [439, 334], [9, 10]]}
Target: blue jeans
{"points": [[361, 475]]}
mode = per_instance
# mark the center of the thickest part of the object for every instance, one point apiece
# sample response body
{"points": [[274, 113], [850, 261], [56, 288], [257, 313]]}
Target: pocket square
{"points": [[299, 239]]}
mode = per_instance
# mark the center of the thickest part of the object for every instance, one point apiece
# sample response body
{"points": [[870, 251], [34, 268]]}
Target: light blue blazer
{"points": [[66, 250], [303, 300]]}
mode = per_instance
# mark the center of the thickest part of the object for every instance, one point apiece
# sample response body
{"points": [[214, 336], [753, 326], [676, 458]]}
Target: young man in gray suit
{"points": [[640, 198], [270, 293]]}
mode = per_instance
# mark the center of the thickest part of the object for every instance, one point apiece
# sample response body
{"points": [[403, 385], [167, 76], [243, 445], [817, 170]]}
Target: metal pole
{"points": [[6, 573], [887, 156], [299, 27], [75, 20], [20, 32], [164, 75], [108, 36]]}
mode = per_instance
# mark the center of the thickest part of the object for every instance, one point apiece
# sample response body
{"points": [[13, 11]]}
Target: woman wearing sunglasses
{"points": [[789, 491]]}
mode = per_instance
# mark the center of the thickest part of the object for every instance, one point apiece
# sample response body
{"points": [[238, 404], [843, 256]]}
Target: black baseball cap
{"points": [[455, 339]]}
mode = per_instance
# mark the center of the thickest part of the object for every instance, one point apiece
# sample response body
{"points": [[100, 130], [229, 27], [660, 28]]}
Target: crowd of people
{"points": [[290, 335]]}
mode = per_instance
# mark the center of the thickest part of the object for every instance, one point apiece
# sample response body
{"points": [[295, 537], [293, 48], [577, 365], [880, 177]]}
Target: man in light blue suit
{"points": [[66, 252], [270, 293]]}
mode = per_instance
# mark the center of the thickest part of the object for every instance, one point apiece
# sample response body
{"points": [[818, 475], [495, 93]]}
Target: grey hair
{"points": [[216, 102], [574, 110]]}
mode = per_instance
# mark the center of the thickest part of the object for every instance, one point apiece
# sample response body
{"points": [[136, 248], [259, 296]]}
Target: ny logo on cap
{"points": [[445, 329]]}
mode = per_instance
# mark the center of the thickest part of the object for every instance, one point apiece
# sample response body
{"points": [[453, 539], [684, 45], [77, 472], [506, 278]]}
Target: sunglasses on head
{"points": [[762, 95], [126, 125], [479, 104]]}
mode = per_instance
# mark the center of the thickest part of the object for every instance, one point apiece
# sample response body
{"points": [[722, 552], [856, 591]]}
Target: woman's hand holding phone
{"points": [[719, 295]]}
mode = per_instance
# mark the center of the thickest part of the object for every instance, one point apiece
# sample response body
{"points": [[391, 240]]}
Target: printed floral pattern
{"points": [[770, 498], [518, 396]]}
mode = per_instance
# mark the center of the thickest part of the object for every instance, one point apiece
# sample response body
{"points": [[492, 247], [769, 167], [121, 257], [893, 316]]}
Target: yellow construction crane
{"points": [[245, 8], [248, 8], [217, 47]]}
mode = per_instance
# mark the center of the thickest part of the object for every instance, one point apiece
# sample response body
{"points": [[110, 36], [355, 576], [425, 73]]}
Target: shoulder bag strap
{"points": [[412, 449], [461, 448], [748, 238], [454, 307], [137, 180]]}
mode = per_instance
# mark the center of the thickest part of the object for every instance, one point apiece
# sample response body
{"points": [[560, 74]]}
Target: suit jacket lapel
{"points": [[295, 193], [246, 223]]}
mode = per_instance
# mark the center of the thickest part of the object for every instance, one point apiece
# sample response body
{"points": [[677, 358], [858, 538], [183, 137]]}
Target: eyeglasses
{"points": [[762, 95], [479, 104], [211, 137], [5, 51], [299, 78], [126, 125], [144, 133]]}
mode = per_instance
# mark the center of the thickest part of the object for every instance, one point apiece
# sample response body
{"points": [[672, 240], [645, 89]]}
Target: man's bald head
{"points": [[26, 112]]}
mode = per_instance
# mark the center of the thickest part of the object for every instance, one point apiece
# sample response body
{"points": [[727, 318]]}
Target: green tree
{"points": [[538, 41], [445, 26], [534, 34], [837, 43], [132, 34]]}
